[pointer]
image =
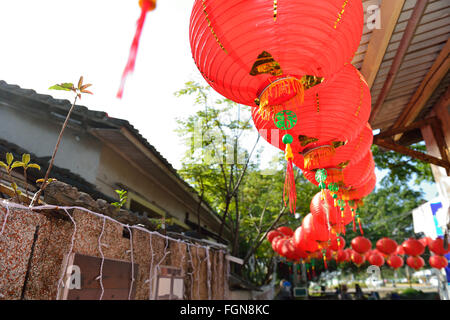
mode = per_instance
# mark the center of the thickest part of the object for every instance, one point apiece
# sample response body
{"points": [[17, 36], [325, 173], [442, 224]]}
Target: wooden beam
{"points": [[438, 133], [415, 125], [379, 39], [399, 56], [431, 81], [412, 153]]}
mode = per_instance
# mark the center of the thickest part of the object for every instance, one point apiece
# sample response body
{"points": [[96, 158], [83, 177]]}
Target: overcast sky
{"points": [[46, 42]]}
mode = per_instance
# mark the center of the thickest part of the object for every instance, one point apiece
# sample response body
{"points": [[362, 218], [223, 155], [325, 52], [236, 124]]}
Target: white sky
{"points": [[46, 42]]}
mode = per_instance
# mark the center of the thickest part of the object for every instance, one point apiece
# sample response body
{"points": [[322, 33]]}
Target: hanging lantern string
{"points": [[146, 5]]}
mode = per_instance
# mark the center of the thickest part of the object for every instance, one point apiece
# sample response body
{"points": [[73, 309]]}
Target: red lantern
{"points": [[357, 258], [415, 262], [437, 247], [286, 231], [320, 207], [272, 234], [361, 244], [425, 241], [400, 250], [386, 246], [376, 259], [288, 250], [302, 242], [146, 6], [314, 229], [325, 122], [337, 243], [243, 47], [394, 261], [276, 243], [413, 247], [438, 262], [342, 256]]}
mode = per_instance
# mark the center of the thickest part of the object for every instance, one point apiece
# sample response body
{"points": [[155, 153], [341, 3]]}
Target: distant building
{"points": [[99, 154]]}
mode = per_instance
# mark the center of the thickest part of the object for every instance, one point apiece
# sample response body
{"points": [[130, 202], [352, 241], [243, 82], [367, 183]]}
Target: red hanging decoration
{"points": [[437, 247], [146, 6], [244, 48], [386, 245], [413, 247], [415, 262], [395, 261], [361, 244], [438, 261]]}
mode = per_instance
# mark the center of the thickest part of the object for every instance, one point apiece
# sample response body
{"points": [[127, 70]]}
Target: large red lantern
{"points": [[413, 247], [425, 241], [302, 242], [437, 247], [376, 259], [415, 262], [361, 244], [438, 262], [386, 245], [249, 50], [394, 261], [327, 211]]}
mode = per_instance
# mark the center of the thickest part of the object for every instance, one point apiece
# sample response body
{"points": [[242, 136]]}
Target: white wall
{"points": [[39, 136]]}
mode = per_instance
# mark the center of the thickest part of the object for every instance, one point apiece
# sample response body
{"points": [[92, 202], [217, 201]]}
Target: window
{"points": [[169, 284]]}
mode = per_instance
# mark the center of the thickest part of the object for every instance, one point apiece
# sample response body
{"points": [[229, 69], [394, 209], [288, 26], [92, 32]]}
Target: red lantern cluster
{"points": [[290, 61]]}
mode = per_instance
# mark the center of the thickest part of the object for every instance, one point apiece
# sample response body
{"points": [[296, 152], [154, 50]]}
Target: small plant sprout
{"points": [[9, 166], [122, 199], [66, 86], [25, 164]]}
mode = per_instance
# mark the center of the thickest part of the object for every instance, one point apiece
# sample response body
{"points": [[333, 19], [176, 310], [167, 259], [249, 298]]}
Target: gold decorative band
{"points": [[211, 28], [340, 14]]}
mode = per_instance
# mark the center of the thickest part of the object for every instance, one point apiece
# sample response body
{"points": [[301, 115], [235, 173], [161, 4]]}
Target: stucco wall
{"points": [[53, 243], [39, 136]]}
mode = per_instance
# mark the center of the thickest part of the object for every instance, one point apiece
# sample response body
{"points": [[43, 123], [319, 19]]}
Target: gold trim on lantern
{"points": [[305, 140], [265, 63], [314, 156], [211, 28], [340, 14]]}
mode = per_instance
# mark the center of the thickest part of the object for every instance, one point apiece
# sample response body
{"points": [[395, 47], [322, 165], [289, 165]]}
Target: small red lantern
{"points": [[415, 262], [425, 241], [400, 250], [376, 259], [342, 256], [361, 244], [386, 245], [438, 262], [437, 247], [328, 207], [337, 243], [286, 231], [394, 261], [413, 247], [272, 234], [357, 258]]}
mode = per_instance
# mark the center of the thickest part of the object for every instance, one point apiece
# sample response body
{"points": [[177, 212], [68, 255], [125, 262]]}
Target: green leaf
{"points": [[9, 158], [2, 164], [26, 158], [34, 165], [17, 164], [64, 86]]}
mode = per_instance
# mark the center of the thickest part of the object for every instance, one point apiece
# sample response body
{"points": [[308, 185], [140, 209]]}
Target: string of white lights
{"points": [[132, 262], [4, 222], [8, 205], [208, 272], [191, 273], [103, 259], [70, 250]]}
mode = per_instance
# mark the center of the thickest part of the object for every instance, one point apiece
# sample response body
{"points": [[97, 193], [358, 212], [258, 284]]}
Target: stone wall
{"points": [[34, 246]]}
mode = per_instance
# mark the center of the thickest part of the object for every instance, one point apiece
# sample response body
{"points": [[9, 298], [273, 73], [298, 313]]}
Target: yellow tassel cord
{"points": [[277, 90], [315, 156], [289, 182]]}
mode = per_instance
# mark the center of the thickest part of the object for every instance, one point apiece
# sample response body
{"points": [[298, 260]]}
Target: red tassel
{"points": [[289, 187], [360, 228], [325, 261], [354, 223], [129, 67]]}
